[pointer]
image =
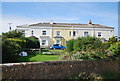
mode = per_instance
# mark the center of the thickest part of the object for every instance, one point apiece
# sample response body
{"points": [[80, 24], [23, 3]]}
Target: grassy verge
{"points": [[36, 57]]}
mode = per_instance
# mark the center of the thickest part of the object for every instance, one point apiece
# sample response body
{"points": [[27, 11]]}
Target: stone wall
{"points": [[56, 69]]}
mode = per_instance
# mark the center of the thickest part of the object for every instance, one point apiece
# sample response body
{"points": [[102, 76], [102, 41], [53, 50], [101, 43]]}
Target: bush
{"points": [[112, 40], [105, 45], [87, 43], [10, 51], [69, 45], [31, 42], [115, 49], [19, 41]]}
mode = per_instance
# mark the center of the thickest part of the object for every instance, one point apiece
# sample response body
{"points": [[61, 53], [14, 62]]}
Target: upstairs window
{"points": [[85, 34], [32, 32], [70, 33], [58, 33], [99, 34], [43, 32]]}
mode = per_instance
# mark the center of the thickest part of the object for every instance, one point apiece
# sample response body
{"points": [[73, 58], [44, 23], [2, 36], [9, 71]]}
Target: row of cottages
{"points": [[59, 33]]}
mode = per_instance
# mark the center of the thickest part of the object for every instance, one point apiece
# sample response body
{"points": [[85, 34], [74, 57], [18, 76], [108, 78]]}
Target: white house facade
{"points": [[52, 33]]}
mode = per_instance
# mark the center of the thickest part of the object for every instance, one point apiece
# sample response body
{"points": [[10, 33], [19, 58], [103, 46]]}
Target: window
{"points": [[58, 33], [85, 34], [43, 32], [58, 41], [32, 32], [43, 42], [70, 33], [99, 34], [23, 32], [74, 33]]}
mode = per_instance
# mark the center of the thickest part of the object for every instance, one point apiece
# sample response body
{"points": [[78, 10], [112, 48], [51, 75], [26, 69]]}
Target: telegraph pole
{"points": [[10, 26]]}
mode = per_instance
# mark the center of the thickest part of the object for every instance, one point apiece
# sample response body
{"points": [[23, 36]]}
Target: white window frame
{"points": [[57, 34], [86, 34], [43, 42], [70, 33], [44, 32], [32, 32], [57, 42], [99, 33]]}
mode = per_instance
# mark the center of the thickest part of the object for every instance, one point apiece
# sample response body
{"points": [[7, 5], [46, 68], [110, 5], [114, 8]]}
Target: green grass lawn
{"points": [[57, 50], [36, 57]]}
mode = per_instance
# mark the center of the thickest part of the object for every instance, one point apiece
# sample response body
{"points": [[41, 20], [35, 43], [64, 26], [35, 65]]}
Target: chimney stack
{"points": [[89, 22]]}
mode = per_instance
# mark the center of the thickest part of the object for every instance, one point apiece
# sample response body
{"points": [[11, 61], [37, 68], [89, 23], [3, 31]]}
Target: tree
{"points": [[10, 51], [13, 34], [70, 44], [87, 43]]}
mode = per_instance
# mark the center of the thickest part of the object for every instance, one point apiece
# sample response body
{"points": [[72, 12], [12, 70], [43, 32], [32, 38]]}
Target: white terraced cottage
{"points": [[59, 33]]}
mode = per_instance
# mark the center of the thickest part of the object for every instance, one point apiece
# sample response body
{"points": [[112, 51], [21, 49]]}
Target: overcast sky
{"points": [[19, 13]]}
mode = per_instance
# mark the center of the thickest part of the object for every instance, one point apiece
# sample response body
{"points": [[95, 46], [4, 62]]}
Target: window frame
{"points": [[57, 42], [86, 34], [99, 34], [43, 42], [58, 34], [44, 32]]}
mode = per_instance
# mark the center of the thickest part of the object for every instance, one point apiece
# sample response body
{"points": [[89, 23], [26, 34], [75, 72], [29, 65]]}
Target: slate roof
{"points": [[71, 25]]}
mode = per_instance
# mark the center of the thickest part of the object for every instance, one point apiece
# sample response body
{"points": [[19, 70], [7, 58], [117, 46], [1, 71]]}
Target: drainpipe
{"points": [[40, 47]]}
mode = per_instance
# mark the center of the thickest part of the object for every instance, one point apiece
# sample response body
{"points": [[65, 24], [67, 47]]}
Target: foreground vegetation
{"points": [[13, 42], [91, 48], [106, 76]]}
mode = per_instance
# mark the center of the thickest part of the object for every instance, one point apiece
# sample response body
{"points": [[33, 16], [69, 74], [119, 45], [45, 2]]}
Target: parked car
{"points": [[57, 46]]}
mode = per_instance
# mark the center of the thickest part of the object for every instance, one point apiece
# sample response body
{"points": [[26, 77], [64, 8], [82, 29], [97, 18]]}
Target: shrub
{"points": [[105, 45], [10, 51], [31, 42], [21, 42], [115, 49], [87, 43], [70, 45], [112, 40]]}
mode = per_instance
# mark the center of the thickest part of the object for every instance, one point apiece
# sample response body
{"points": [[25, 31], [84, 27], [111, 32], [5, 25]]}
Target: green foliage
{"points": [[31, 42], [87, 77], [10, 51], [69, 45], [106, 76], [115, 49], [19, 41], [105, 45], [112, 40], [86, 43], [13, 34]]}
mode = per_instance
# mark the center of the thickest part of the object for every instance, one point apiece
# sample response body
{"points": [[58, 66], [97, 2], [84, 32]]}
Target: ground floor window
{"points": [[43, 42], [85, 34], [57, 41], [99, 34]]}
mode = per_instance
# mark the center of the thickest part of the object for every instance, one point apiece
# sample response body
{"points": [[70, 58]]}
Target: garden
{"points": [[83, 48], [13, 42]]}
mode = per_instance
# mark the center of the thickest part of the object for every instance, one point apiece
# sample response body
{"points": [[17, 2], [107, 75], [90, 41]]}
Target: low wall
{"points": [[56, 69]]}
